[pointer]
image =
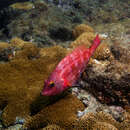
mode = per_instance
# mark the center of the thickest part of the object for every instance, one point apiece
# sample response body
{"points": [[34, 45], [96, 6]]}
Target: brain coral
{"points": [[79, 29], [22, 79]]}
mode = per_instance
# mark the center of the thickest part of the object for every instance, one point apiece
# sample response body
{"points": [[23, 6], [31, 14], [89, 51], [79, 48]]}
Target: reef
{"points": [[91, 121], [52, 127], [22, 79], [39, 27], [22, 6], [24, 66], [79, 29], [85, 38], [111, 80], [62, 113]]}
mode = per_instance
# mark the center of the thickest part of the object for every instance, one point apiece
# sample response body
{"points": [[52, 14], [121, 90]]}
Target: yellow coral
{"points": [[103, 126], [102, 52], [52, 127], [29, 51], [55, 51], [4, 45], [79, 29], [61, 113], [64, 116], [23, 6], [21, 81], [17, 42]]}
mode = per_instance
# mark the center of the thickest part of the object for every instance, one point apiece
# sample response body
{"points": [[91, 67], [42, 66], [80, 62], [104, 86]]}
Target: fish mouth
{"points": [[47, 93]]}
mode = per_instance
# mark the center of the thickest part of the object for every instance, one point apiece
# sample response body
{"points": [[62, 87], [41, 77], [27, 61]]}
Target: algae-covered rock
{"points": [[109, 81]]}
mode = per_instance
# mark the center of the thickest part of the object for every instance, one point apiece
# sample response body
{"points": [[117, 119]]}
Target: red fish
{"points": [[69, 69]]}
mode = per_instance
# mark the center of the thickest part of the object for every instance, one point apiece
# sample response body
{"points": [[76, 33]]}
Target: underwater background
{"points": [[35, 35]]}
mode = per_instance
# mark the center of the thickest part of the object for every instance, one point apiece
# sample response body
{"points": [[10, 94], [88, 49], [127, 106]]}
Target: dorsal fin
{"points": [[96, 43]]}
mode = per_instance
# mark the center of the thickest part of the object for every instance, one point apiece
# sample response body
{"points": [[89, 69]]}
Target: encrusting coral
{"points": [[22, 6], [22, 79], [61, 113], [79, 29], [52, 127], [17, 42], [4, 45], [103, 126]]}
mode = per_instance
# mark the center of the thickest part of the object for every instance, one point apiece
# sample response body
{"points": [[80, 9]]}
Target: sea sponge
{"points": [[22, 6], [61, 113], [21, 81], [79, 29]]}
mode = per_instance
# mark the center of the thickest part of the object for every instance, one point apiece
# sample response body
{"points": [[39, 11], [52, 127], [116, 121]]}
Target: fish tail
{"points": [[95, 44]]}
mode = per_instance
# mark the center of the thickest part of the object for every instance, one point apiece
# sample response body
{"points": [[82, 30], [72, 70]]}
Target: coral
{"points": [[102, 52], [79, 29], [120, 53], [22, 79], [49, 115], [17, 42], [103, 126], [111, 80], [90, 119], [28, 51], [55, 51], [125, 125], [4, 45], [62, 113], [40, 5], [23, 6], [52, 127], [84, 38]]}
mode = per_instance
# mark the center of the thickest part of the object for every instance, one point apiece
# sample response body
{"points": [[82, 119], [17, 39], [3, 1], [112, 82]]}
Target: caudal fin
{"points": [[96, 43]]}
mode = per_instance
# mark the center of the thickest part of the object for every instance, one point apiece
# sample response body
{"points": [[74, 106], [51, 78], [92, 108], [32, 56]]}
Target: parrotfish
{"points": [[69, 69]]}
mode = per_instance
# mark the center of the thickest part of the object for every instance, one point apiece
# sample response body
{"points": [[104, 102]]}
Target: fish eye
{"points": [[51, 84]]}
